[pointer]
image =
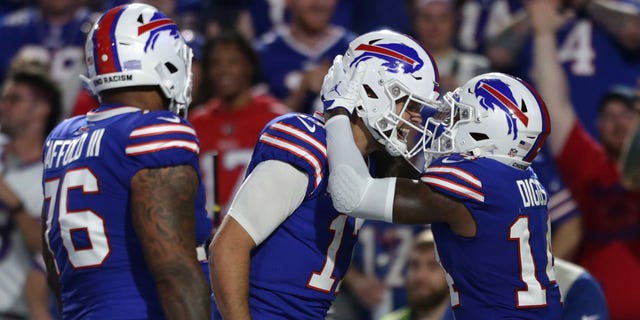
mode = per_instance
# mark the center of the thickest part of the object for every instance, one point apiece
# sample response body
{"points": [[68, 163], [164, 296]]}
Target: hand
{"points": [[545, 17], [340, 91]]}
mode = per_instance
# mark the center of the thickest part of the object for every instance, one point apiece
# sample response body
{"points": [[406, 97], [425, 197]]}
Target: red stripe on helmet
{"points": [[153, 24], [385, 51], [104, 42]]}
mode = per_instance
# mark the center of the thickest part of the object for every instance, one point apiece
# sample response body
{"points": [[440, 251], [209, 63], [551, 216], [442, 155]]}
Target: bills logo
{"points": [[492, 93], [399, 57], [158, 23]]}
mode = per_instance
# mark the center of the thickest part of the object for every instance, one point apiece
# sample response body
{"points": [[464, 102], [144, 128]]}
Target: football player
{"points": [[124, 205], [283, 249], [487, 208]]}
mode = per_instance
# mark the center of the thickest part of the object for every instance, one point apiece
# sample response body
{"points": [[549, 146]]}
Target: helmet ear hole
{"points": [[478, 136], [370, 93], [172, 69]]}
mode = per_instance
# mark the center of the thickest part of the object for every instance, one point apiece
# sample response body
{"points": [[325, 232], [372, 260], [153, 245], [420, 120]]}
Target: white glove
{"points": [[339, 90]]}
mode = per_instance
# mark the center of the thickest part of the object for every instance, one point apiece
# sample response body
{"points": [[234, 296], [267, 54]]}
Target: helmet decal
{"points": [[105, 49], [493, 93], [158, 23], [398, 56]]}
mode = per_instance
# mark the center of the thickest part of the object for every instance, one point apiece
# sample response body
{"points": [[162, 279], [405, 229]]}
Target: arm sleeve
{"points": [[352, 189], [267, 197]]}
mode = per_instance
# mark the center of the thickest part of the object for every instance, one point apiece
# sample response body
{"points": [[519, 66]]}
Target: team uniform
{"points": [[611, 218], [227, 138], [581, 294], [15, 259], [296, 272], [510, 250], [283, 60], [89, 162]]}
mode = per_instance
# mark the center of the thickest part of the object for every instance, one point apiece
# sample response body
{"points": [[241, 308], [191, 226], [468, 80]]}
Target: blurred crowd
{"points": [[256, 59]]}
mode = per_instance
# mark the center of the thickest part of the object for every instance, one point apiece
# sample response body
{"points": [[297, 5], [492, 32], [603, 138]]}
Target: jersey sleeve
{"points": [[455, 179], [585, 300], [161, 139], [297, 140]]}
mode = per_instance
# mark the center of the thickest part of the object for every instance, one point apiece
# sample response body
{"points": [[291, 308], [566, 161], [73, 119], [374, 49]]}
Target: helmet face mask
{"points": [[137, 45], [399, 77], [492, 115]]}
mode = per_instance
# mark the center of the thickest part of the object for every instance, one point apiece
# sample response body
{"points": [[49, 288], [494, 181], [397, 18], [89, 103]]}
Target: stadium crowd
{"points": [[255, 60]]}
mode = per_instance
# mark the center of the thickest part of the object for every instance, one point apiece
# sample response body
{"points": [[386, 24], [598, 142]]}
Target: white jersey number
{"points": [[86, 221], [577, 49], [534, 294], [324, 280]]}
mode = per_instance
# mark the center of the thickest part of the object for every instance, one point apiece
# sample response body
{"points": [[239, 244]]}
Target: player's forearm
{"points": [[352, 189], [162, 212], [183, 290], [229, 262], [47, 256]]}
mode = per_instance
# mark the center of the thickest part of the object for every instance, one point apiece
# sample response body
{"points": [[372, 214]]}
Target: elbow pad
{"points": [[361, 196]]}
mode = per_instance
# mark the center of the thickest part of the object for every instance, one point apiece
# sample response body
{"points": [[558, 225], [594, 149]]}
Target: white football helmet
{"points": [[137, 45], [396, 69], [493, 115]]}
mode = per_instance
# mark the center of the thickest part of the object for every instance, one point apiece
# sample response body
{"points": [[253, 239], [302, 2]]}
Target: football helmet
{"points": [[137, 45], [397, 69], [493, 115]]}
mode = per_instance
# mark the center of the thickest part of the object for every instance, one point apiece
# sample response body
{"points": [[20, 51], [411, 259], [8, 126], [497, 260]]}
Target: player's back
{"points": [[296, 271], [89, 163], [505, 270]]}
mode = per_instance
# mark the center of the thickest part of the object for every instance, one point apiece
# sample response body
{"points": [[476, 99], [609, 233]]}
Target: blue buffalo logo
{"points": [[399, 57], [158, 23], [493, 93]]}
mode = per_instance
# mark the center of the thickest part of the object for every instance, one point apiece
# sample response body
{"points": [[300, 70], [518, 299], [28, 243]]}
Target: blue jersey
{"points": [[283, 60], [505, 271], [582, 295], [482, 19], [89, 162], [296, 272], [593, 63]]}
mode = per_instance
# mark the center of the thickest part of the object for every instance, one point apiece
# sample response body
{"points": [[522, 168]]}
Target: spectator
{"points": [[434, 27], [374, 283], [124, 211], [229, 124], [296, 56], [54, 31], [611, 214], [481, 20], [29, 108], [591, 51], [425, 283], [630, 160]]}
